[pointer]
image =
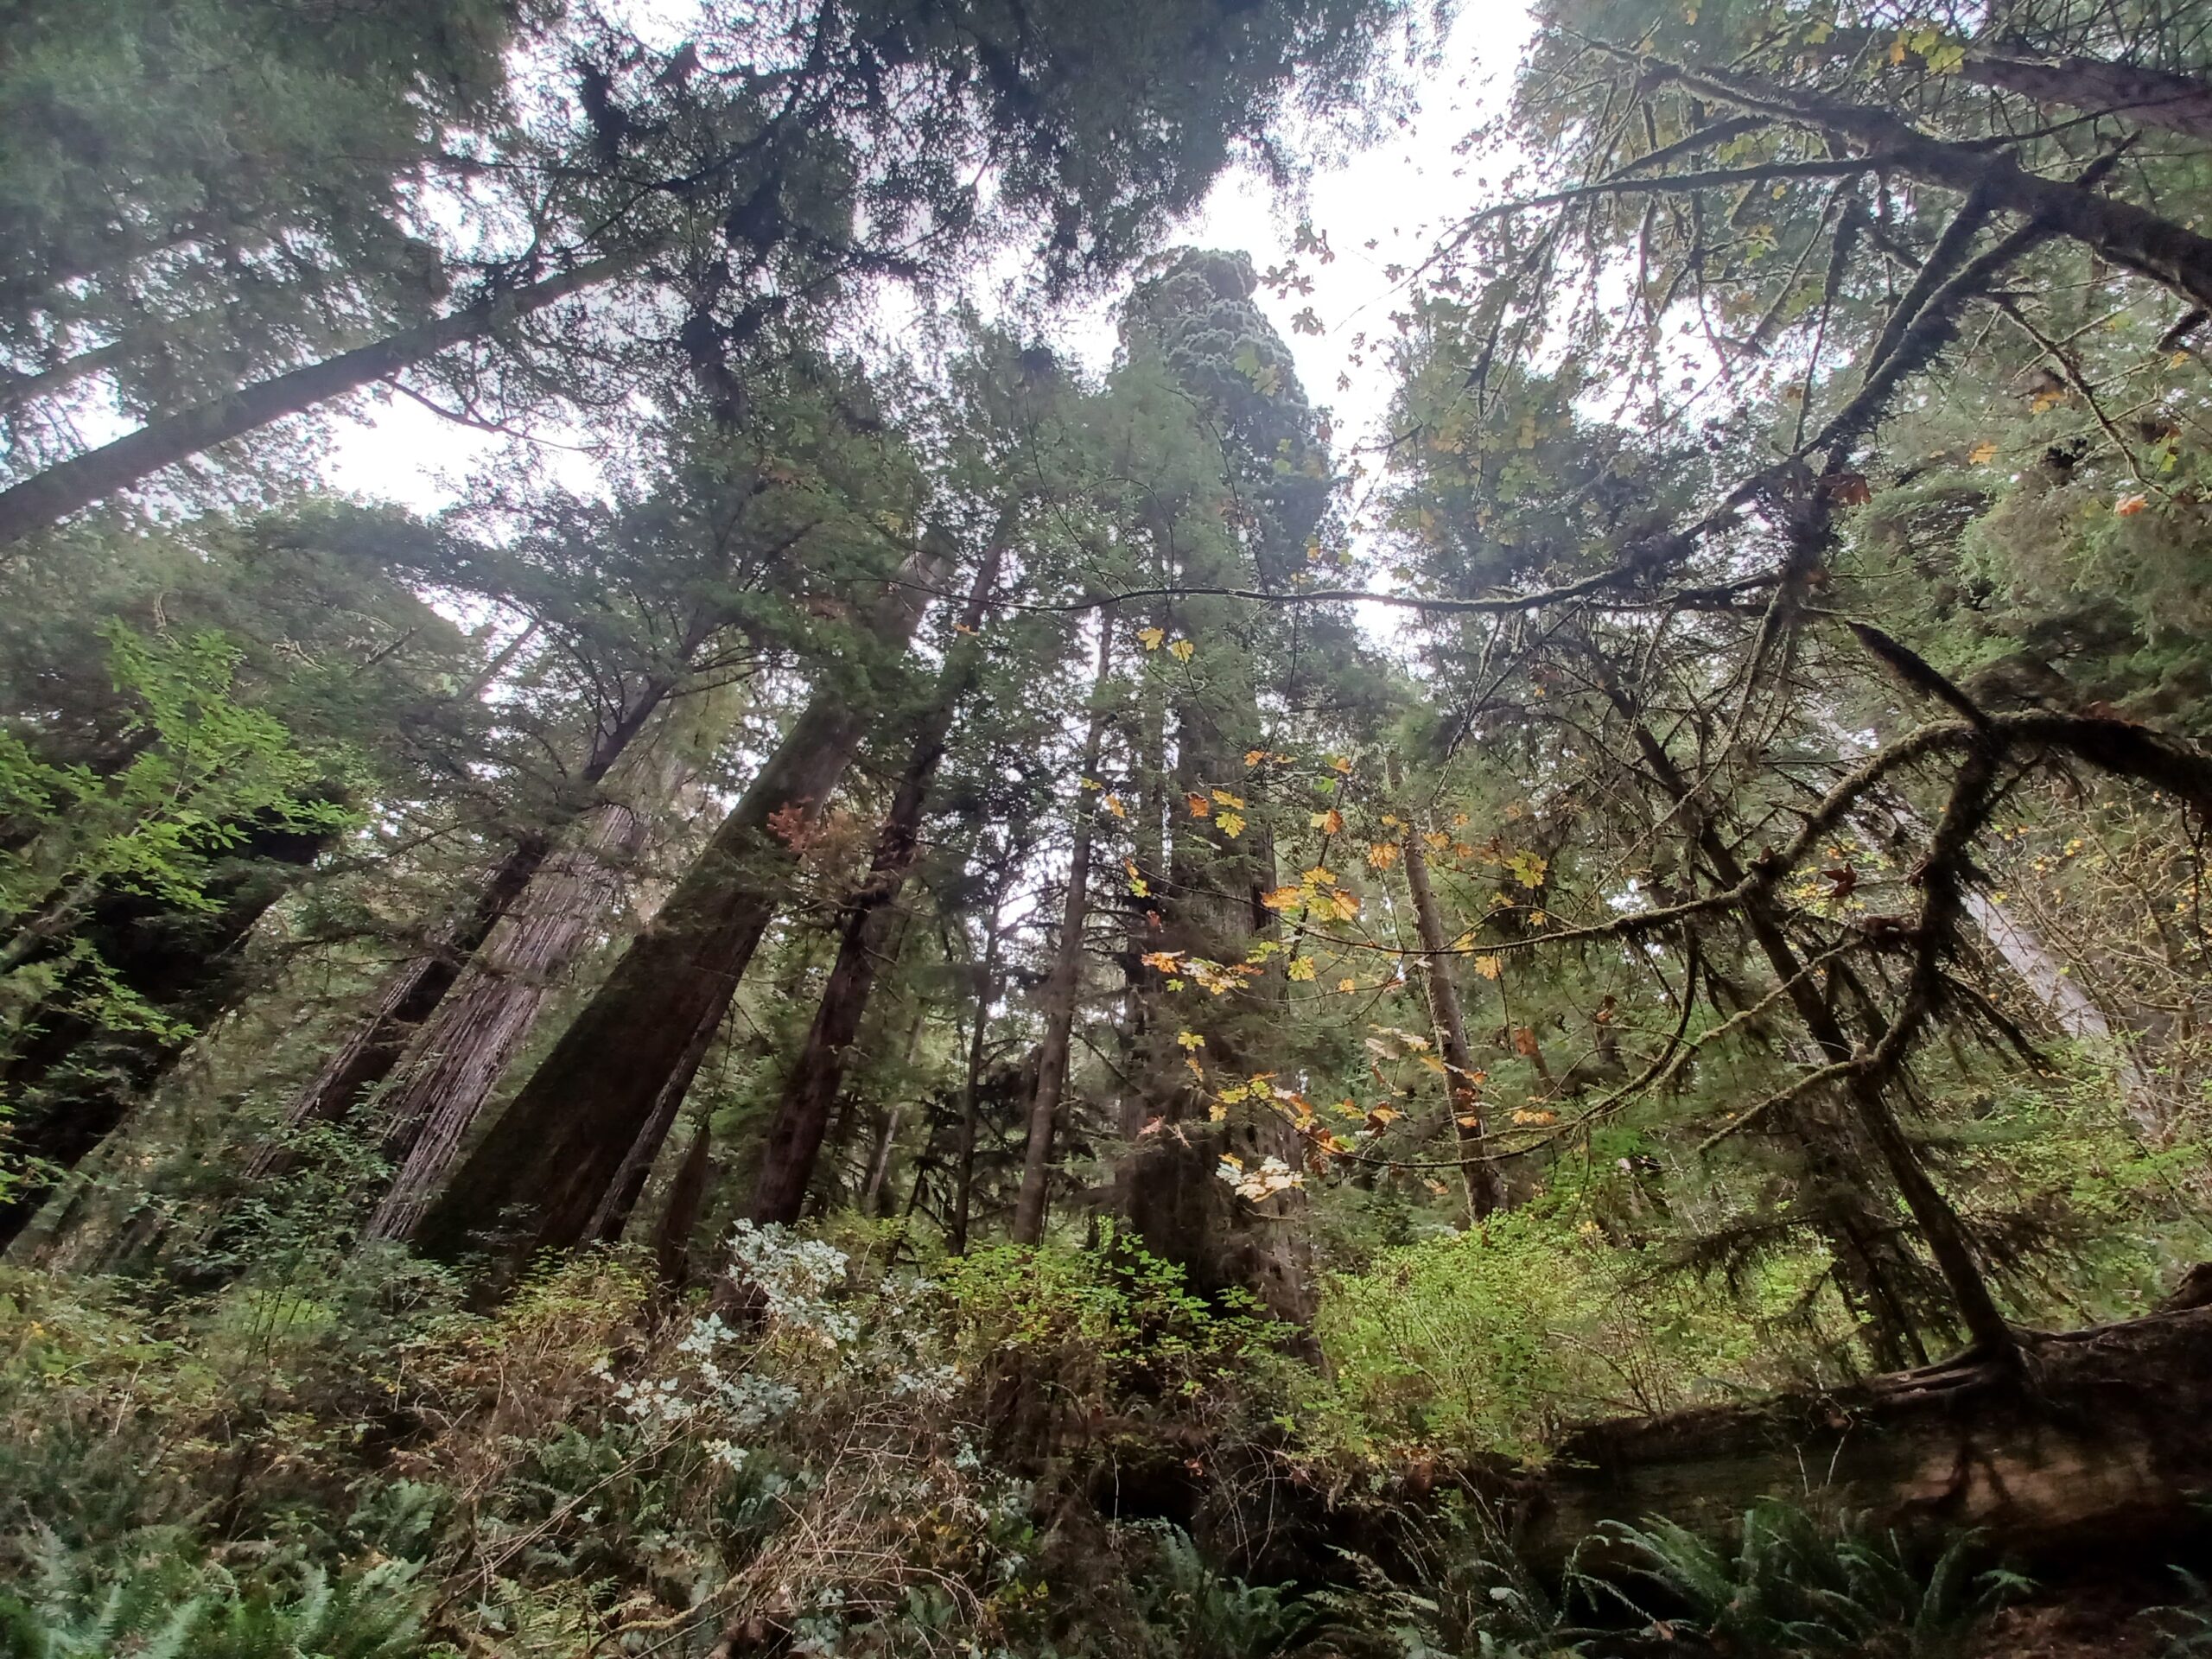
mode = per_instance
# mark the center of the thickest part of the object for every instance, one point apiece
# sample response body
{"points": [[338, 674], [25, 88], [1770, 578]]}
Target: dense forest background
{"points": [[916, 991]]}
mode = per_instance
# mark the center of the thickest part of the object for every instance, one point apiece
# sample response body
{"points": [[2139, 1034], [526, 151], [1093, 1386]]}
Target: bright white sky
{"points": [[1394, 194]]}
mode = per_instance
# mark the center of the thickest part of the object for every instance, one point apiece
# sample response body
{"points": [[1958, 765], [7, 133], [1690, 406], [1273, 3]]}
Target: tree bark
{"points": [[795, 1134], [415, 990], [463, 1051], [2147, 97], [410, 993], [1063, 989], [2101, 1451], [558, 1145], [986, 987], [71, 486], [1485, 1190]]}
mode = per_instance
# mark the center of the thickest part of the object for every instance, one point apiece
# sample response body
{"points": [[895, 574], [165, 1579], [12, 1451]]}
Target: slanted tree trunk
{"points": [[802, 1118], [410, 993], [686, 1196], [1485, 1190], [1064, 987], [612, 1218], [413, 991], [71, 486], [539, 1175], [463, 1051], [2158, 248], [1875, 1269]]}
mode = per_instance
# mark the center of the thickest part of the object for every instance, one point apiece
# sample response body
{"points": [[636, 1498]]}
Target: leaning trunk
{"points": [[464, 1051], [1485, 1192], [802, 1118], [540, 1174], [72, 486]]}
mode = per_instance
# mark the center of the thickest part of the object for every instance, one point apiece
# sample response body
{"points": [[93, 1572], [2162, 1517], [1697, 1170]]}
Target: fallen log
{"points": [[2100, 1444]]}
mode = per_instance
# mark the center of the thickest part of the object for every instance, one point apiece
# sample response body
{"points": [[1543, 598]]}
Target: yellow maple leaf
{"points": [[1321, 876], [1190, 1039], [1152, 638], [1232, 823], [1182, 651], [1301, 969], [1253, 757], [1489, 967], [1982, 452], [1347, 984], [1227, 799]]}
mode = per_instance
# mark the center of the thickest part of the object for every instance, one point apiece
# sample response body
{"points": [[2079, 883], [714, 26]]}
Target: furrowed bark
{"points": [[1061, 990], [557, 1147], [795, 1134], [462, 1052], [410, 994], [414, 991], [72, 486]]}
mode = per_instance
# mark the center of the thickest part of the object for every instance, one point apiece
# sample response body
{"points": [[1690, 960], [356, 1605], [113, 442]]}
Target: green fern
{"points": [[156, 1605], [1791, 1586]]}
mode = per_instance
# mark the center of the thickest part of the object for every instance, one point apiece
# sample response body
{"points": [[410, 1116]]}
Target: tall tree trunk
{"points": [[987, 987], [795, 1134], [879, 1165], [410, 993], [1485, 1191], [672, 1238], [612, 1218], [71, 486], [540, 1173], [414, 990], [463, 1051], [1210, 908], [1064, 987]]}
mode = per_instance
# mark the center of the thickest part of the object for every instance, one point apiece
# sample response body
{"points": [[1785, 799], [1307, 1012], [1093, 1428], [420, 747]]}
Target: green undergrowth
{"points": [[873, 1450]]}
